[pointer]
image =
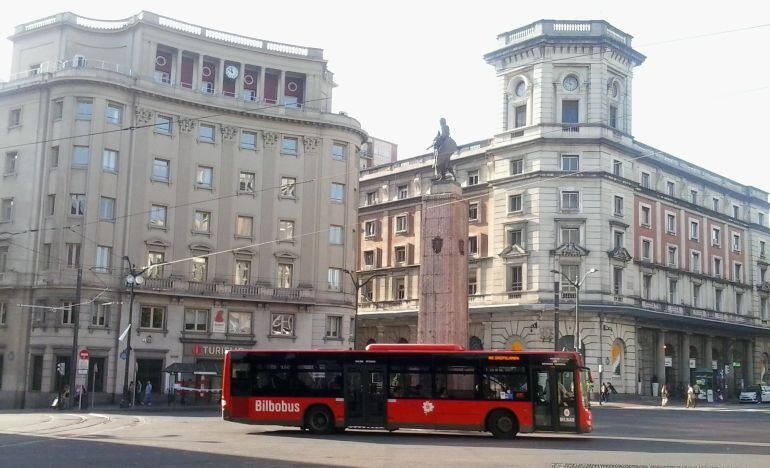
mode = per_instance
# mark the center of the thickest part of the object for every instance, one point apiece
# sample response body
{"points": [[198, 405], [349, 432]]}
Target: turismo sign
{"points": [[208, 350]]}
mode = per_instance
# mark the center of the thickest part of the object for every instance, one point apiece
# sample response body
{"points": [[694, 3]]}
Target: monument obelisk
{"points": [[443, 313]]}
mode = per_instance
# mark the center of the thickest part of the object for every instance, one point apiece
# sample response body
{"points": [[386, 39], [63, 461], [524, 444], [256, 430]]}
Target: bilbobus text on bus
{"points": [[392, 386]]}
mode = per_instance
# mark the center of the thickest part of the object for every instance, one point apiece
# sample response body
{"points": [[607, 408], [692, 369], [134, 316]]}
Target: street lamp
{"points": [[577, 284], [357, 284], [133, 278]]}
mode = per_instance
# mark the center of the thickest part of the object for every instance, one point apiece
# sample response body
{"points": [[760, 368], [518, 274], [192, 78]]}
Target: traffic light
{"points": [[60, 368]]}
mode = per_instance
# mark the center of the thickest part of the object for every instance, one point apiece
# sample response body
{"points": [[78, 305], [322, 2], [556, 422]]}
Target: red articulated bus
{"points": [[408, 386]]}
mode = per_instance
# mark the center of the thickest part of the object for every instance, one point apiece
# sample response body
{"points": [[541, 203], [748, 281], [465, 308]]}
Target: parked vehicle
{"points": [[756, 394]]}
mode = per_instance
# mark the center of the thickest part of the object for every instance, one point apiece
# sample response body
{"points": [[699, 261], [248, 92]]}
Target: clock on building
{"points": [[231, 71], [520, 89], [570, 83]]}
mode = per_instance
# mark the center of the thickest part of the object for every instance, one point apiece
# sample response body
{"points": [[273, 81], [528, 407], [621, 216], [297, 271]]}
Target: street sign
{"points": [[84, 354]]}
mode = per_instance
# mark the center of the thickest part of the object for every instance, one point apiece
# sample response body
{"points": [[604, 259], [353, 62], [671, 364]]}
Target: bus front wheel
{"points": [[319, 420], [503, 424]]}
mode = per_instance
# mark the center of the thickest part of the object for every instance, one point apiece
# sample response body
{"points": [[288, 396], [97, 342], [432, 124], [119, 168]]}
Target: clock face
{"points": [[231, 71], [521, 88], [570, 83]]}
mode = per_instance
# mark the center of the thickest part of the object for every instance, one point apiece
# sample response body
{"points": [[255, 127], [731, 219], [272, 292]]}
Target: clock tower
{"points": [[565, 78]]}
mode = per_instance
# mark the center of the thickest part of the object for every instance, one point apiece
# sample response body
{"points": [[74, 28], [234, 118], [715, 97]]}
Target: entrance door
{"points": [[554, 399], [365, 395], [152, 370]]}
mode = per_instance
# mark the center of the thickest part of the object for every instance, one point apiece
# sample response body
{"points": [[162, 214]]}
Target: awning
{"points": [[200, 368]]}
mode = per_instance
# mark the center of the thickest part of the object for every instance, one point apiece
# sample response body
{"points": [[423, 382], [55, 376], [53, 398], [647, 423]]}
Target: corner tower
{"points": [[566, 74]]}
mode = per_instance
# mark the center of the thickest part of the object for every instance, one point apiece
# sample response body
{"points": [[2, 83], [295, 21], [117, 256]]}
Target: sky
{"points": [[400, 65]]}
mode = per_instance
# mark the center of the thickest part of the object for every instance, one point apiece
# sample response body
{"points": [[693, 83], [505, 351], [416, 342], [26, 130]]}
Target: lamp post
{"points": [[133, 278], [577, 284], [358, 284]]}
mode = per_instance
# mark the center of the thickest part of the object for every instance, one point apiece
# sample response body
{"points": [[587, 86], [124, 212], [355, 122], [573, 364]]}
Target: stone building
{"points": [[680, 252], [213, 155]]}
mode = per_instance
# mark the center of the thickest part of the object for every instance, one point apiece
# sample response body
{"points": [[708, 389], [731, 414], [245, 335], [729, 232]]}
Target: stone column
{"points": [[749, 375], [685, 359], [282, 88], [220, 78], [443, 313], [660, 353], [707, 353], [198, 78], [261, 85]]}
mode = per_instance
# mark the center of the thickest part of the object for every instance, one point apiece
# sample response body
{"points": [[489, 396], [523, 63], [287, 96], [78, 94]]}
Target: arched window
{"points": [[617, 356], [475, 343]]}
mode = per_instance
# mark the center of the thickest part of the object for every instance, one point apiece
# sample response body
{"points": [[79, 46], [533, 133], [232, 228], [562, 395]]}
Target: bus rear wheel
{"points": [[503, 424], [319, 420]]}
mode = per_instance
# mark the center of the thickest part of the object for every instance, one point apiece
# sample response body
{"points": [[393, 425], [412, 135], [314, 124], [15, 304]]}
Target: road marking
{"points": [[681, 441]]}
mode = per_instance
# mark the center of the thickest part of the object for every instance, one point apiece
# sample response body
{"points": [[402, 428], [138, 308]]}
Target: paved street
{"points": [[626, 435]]}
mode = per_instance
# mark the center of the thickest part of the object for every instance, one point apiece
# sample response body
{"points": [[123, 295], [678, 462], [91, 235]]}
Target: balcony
{"points": [[226, 290]]}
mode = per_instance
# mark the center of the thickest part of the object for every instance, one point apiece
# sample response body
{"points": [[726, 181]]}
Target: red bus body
{"points": [[431, 412]]}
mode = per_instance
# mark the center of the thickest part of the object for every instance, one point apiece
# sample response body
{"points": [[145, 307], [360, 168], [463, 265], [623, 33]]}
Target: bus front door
{"points": [[365, 395], [555, 403]]}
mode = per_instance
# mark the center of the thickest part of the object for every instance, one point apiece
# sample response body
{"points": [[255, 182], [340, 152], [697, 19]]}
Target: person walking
{"points": [[603, 393], [138, 392], [148, 393], [664, 396], [690, 397]]}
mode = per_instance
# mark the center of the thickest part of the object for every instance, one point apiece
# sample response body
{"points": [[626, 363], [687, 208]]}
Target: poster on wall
{"points": [[218, 322]]}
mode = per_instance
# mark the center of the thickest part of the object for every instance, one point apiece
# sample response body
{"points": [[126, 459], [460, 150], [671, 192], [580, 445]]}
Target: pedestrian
{"points": [[603, 393], [664, 396], [690, 397], [138, 392], [696, 390], [148, 393]]}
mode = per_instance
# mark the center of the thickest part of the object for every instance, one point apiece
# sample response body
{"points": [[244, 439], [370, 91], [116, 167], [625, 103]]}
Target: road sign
{"points": [[84, 354]]}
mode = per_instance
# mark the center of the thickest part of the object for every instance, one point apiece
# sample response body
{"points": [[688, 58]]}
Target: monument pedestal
{"points": [[443, 313]]}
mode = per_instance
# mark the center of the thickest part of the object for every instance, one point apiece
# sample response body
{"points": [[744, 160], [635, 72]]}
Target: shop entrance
{"points": [[152, 370]]}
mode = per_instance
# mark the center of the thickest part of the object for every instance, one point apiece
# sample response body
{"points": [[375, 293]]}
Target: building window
{"points": [[694, 197], [400, 254], [242, 272], [206, 133], [289, 145], [114, 113], [196, 320], [569, 111], [239, 323], [737, 272], [3, 259], [338, 151], [248, 140], [369, 258], [695, 295], [11, 158], [715, 204], [473, 282], [617, 281], [285, 230], [762, 275], [100, 315], [73, 255], [201, 221], [370, 229], [718, 267], [761, 248], [103, 258], [50, 206], [204, 177], [163, 124], [84, 109], [671, 257], [333, 326], [514, 204], [3, 315], [200, 268], [335, 279], [335, 235], [371, 198], [694, 230], [153, 317], [517, 167], [647, 286], [158, 216], [570, 162], [736, 211], [244, 226], [246, 182], [160, 169], [572, 272], [520, 116], [670, 188], [761, 219], [36, 381], [570, 235], [645, 216], [672, 296], [763, 308], [645, 180], [716, 237], [57, 109], [570, 200], [77, 204], [473, 211], [473, 177], [617, 168], [285, 275], [473, 245], [53, 156], [736, 242], [718, 300], [399, 289], [110, 160], [403, 192], [695, 265], [401, 224], [613, 117], [337, 192], [515, 237], [282, 324], [646, 250], [670, 224], [618, 206], [80, 156], [6, 210], [288, 187], [155, 258], [618, 238]]}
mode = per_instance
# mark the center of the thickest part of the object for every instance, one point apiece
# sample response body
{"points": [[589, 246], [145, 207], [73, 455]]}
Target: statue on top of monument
{"points": [[443, 148]]}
